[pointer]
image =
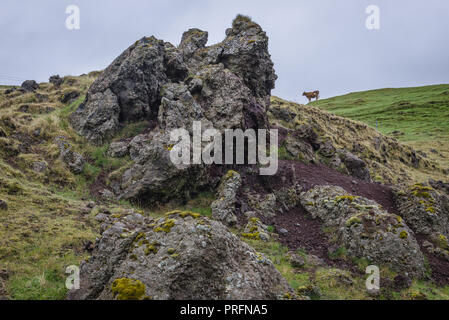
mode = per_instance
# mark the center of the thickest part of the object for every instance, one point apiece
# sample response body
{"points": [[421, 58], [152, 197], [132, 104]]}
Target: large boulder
{"points": [[365, 229], [30, 86], [179, 256], [224, 86], [128, 90]]}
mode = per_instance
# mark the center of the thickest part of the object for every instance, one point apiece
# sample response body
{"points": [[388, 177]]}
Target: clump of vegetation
{"points": [[128, 289], [345, 197], [352, 221], [165, 226]]}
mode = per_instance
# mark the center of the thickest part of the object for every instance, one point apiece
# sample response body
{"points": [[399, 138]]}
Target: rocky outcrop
{"points": [[425, 210], [153, 177], [180, 256], [29, 86], [224, 208], [231, 79], [72, 159], [365, 229], [224, 86], [56, 80]]}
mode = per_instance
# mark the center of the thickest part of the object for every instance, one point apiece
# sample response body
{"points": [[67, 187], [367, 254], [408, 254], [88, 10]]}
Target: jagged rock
{"points": [[224, 86], [224, 208], [192, 40], [128, 90], [424, 209], [245, 53], [29, 85], [154, 177], [100, 120], [56, 80], [356, 167], [118, 149], [3, 205], [180, 256], [74, 160], [364, 229]]}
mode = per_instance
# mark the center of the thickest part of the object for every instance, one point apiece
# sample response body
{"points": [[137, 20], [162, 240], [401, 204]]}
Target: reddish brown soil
{"points": [[306, 233], [439, 266], [311, 175], [303, 231]]}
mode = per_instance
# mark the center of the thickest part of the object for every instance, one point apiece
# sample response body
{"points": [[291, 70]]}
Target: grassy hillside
{"points": [[418, 116]]}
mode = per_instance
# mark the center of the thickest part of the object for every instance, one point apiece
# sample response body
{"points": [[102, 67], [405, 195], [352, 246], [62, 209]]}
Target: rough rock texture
{"points": [[365, 229], [56, 80], [424, 209], [264, 205], [224, 86], [29, 85], [153, 177], [255, 229], [72, 159], [179, 256], [356, 167], [224, 208]]}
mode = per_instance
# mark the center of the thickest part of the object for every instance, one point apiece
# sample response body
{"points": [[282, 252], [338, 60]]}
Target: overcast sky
{"points": [[320, 44]]}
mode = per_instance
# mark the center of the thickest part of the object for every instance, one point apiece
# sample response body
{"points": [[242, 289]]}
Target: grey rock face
{"points": [[99, 119], [180, 256], [225, 86], [223, 209], [128, 90], [153, 177], [72, 159], [424, 209], [356, 167], [245, 53], [364, 229]]}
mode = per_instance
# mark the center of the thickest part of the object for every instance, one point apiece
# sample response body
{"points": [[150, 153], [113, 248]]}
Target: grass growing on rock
{"points": [[44, 228]]}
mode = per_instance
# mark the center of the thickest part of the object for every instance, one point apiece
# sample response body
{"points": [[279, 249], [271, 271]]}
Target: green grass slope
{"points": [[418, 116]]}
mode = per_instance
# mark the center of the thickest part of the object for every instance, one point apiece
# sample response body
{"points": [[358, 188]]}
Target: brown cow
{"points": [[311, 95]]}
